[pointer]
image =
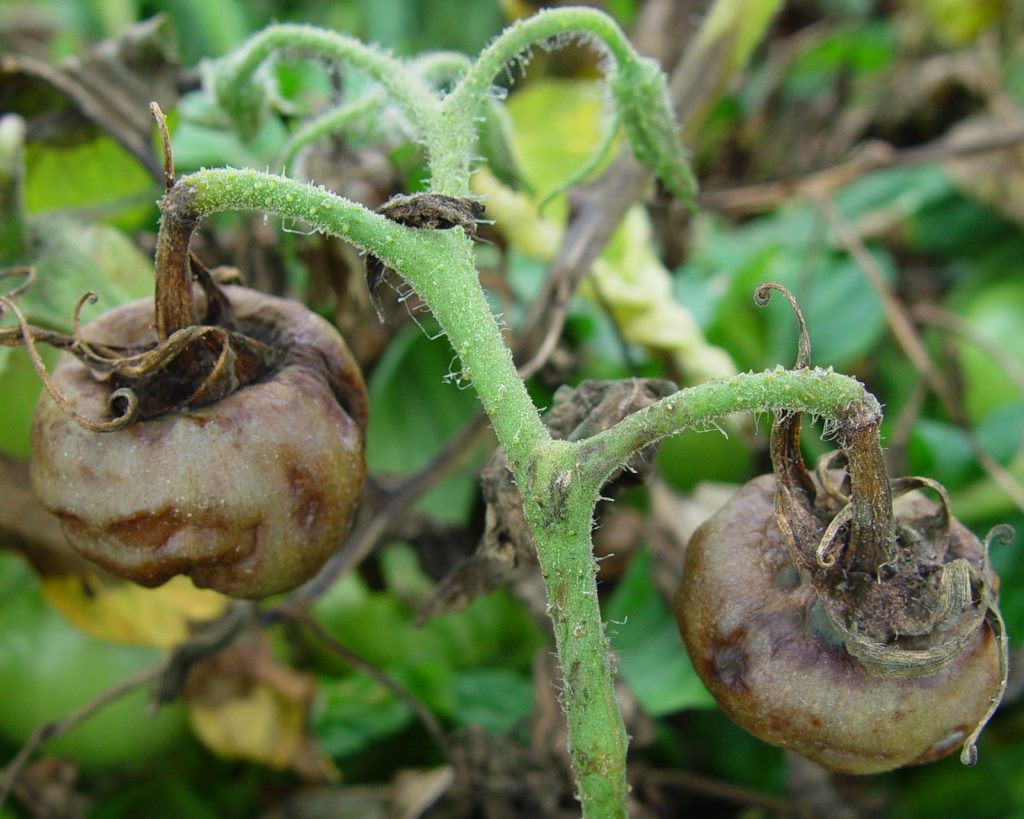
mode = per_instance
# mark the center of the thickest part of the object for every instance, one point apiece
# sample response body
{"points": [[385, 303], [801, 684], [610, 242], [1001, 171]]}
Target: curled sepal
{"points": [[958, 584], [195, 366], [795, 490], [994, 618], [1004, 534], [642, 102]]}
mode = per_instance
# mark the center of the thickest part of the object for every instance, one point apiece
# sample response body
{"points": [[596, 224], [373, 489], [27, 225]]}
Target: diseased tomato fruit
{"points": [[248, 495], [235, 450], [843, 615]]}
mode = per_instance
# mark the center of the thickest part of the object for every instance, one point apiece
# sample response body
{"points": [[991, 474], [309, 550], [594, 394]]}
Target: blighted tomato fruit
{"points": [[241, 459], [843, 615]]}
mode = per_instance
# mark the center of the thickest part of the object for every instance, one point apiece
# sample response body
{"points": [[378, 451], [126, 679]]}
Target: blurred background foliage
{"points": [[941, 232]]}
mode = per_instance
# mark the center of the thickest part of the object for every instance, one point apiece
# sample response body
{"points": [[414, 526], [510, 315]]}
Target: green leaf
{"points": [[493, 698], [21, 388], [98, 177], [352, 713], [855, 50], [379, 626], [75, 259], [414, 411], [844, 316], [994, 789], [994, 313], [652, 658], [942, 451]]}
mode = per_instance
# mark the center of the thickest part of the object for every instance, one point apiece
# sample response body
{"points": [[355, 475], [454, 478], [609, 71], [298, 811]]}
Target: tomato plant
{"points": [[217, 431]]}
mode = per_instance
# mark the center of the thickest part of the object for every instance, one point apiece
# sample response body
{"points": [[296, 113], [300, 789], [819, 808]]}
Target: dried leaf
{"points": [[244, 705], [105, 84]]}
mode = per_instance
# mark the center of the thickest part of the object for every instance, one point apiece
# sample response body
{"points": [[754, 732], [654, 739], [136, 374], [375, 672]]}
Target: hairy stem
{"points": [[560, 481], [558, 506], [517, 38], [233, 73], [814, 391]]}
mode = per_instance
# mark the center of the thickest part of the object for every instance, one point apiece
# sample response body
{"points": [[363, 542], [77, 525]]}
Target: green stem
{"points": [[559, 507], [469, 94], [332, 122], [232, 73], [819, 392]]}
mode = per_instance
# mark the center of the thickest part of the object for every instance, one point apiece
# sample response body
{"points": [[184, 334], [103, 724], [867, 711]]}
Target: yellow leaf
{"points": [[244, 705], [633, 283], [122, 612]]}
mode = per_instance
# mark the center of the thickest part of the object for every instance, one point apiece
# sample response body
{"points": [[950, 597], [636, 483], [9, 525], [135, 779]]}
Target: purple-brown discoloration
{"points": [[248, 495], [764, 650]]}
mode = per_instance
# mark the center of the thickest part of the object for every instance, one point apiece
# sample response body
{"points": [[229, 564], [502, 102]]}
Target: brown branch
{"points": [[716, 789], [872, 156], [165, 141]]}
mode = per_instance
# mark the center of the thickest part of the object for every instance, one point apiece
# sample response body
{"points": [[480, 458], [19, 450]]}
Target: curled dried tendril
{"points": [[125, 400], [27, 272], [866, 562], [194, 366]]}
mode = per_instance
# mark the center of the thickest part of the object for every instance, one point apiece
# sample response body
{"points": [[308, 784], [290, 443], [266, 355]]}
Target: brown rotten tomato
{"points": [[237, 458], [843, 615]]}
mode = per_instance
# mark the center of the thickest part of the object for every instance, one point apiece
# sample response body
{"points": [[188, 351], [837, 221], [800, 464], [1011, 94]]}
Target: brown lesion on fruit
{"points": [[307, 499], [149, 548], [727, 660]]}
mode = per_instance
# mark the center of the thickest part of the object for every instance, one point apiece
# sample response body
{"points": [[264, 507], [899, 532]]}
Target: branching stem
{"points": [[560, 481]]}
